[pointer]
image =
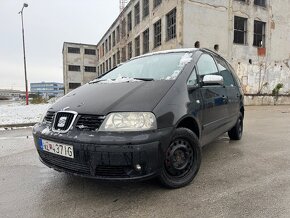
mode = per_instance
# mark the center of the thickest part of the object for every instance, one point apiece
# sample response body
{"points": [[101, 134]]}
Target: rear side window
{"points": [[206, 65], [225, 72]]}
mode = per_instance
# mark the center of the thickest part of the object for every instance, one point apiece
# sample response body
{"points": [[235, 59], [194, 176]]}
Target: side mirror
{"points": [[209, 80], [192, 87]]}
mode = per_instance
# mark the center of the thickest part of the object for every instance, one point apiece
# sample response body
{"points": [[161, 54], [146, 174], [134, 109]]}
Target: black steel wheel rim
{"points": [[179, 158]]}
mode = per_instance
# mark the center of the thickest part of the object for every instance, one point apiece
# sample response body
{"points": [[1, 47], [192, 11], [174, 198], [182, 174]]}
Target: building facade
{"points": [[79, 64], [47, 89], [253, 35]]}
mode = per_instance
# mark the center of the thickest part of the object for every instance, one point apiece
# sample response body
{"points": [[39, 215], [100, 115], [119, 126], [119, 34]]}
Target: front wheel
{"points": [[236, 132], [182, 159]]}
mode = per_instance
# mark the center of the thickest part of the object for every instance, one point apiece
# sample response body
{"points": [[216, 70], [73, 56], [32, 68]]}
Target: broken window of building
{"points": [[146, 41], [137, 13], [118, 34], [73, 85], [137, 46], [157, 2], [110, 64], [259, 33], [103, 49], [114, 38], [129, 50], [129, 21], [123, 28], [90, 51], [118, 57], [240, 30], [171, 24], [145, 8], [114, 60], [260, 2], [110, 43], [74, 68], [90, 69], [106, 45], [73, 50], [157, 34], [124, 54]]}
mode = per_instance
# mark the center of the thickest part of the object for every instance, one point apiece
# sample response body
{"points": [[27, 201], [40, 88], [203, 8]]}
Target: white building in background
{"points": [[237, 28], [79, 64]]}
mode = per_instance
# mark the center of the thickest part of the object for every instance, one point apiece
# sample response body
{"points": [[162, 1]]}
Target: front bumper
{"points": [[106, 156]]}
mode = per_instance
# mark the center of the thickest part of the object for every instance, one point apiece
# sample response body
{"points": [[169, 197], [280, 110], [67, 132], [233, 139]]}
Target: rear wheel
{"points": [[182, 159], [236, 132]]}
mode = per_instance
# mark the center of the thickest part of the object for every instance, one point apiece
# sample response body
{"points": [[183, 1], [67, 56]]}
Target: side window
{"points": [[225, 72], [206, 65], [192, 80]]}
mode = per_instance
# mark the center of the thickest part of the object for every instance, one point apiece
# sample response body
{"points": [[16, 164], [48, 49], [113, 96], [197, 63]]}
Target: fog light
{"points": [[138, 167]]}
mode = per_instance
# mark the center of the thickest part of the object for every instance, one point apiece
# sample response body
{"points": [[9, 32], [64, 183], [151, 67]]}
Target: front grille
{"points": [[63, 121], [49, 116], [89, 122], [65, 163]]}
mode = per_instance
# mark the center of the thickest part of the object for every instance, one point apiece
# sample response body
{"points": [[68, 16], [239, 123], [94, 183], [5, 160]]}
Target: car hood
{"points": [[101, 99]]}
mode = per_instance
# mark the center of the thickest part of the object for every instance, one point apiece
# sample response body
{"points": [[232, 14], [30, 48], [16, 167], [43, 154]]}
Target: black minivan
{"points": [[148, 117]]}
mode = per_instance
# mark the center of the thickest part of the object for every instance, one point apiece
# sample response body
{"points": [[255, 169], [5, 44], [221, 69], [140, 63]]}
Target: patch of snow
{"points": [[185, 59], [82, 127], [119, 79], [45, 131], [174, 75], [18, 113]]}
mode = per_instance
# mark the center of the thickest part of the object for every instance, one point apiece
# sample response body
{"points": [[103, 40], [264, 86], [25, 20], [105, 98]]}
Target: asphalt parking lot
{"points": [[248, 178]]}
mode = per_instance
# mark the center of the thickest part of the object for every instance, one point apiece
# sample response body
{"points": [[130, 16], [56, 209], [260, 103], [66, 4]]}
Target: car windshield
{"points": [[152, 67]]}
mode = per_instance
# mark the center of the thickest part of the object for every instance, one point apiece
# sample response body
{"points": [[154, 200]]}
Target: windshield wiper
{"points": [[145, 79], [96, 81]]}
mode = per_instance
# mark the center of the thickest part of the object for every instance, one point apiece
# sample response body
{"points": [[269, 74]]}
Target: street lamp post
{"points": [[24, 56]]}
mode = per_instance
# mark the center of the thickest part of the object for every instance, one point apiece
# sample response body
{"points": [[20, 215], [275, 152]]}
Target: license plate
{"points": [[57, 148]]}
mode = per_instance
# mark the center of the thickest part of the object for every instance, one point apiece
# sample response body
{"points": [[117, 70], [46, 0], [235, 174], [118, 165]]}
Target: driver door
{"points": [[215, 100]]}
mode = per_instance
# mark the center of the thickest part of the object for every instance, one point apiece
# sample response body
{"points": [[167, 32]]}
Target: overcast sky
{"points": [[48, 23]]}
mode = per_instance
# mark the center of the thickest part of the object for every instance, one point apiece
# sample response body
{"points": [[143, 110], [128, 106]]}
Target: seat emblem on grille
{"points": [[61, 122]]}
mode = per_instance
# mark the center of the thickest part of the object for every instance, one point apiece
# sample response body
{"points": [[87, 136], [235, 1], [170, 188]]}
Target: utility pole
{"points": [[24, 56]]}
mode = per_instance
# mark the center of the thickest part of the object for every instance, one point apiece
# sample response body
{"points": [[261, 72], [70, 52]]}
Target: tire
{"points": [[181, 160], [236, 132]]}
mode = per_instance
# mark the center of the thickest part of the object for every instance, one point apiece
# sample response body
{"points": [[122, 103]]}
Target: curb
{"points": [[17, 125]]}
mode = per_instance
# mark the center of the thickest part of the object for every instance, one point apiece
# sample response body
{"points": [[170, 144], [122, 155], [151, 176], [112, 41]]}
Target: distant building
{"points": [[7, 94], [47, 89], [79, 64]]}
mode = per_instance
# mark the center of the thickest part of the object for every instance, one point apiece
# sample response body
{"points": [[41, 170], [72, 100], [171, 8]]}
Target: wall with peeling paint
{"points": [[212, 22]]}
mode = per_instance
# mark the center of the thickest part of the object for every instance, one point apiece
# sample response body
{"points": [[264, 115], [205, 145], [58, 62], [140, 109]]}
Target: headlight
{"points": [[129, 121]]}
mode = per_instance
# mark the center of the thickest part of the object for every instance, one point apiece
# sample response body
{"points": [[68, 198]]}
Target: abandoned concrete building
{"points": [[253, 35], [79, 64]]}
